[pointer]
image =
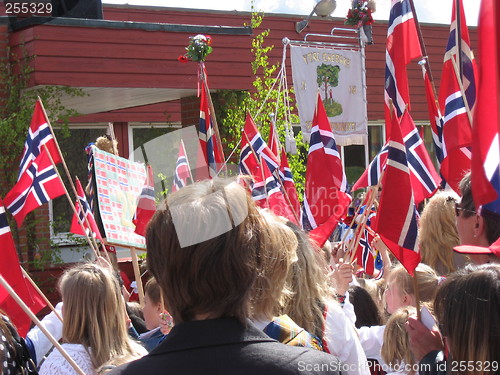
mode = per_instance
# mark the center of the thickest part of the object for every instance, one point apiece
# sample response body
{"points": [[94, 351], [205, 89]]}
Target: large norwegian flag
{"points": [[212, 150], [325, 197], [485, 174], [10, 269], [182, 169], [396, 220], [146, 204], [85, 214], [39, 183], [423, 176], [39, 134], [457, 133], [402, 46]]}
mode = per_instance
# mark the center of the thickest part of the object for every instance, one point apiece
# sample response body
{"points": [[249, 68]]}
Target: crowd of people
{"points": [[234, 289]]}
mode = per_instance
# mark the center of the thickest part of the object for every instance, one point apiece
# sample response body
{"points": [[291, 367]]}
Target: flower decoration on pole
{"points": [[360, 15], [198, 48]]}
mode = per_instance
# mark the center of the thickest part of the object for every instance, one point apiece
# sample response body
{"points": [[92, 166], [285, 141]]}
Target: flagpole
{"points": [[458, 36], [66, 170], [212, 114], [35, 320], [417, 295], [70, 201], [27, 276], [423, 48], [137, 274]]}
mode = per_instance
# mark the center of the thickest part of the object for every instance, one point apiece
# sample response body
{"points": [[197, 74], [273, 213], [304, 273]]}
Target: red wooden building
{"points": [[127, 64]]}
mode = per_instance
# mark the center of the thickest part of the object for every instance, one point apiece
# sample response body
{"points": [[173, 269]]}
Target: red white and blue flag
{"points": [[182, 169], [371, 175], [146, 204], [396, 220], [10, 269], [435, 116], [39, 183], [39, 134], [212, 150], [423, 176], [289, 188], [402, 46], [252, 141], [365, 254], [457, 128], [85, 214], [325, 197], [485, 174]]}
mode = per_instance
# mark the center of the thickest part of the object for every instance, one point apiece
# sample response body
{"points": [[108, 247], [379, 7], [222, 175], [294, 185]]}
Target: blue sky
{"points": [[428, 11]]}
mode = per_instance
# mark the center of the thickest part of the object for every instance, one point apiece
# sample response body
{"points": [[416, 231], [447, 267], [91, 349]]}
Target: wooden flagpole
{"points": [[137, 274], [71, 202], [27, 276], [35, 320], [212, 114], [417, 296]]}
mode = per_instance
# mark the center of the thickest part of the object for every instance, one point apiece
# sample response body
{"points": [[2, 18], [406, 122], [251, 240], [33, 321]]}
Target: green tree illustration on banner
{"points": [[328, 77]]}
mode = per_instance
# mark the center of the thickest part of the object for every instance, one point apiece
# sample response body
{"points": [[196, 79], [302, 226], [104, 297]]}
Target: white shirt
{"points": [[56, 364]]}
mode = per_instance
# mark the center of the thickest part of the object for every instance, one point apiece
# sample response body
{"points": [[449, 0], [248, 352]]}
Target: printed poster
{"points": [[119, 183]]}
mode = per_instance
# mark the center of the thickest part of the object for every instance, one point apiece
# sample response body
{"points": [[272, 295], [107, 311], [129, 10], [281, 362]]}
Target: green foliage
{"points": [[17, 109], [234, 105]]}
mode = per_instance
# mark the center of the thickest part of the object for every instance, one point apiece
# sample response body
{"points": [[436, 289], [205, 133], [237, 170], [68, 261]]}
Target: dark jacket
{"points": [[225, 346]]}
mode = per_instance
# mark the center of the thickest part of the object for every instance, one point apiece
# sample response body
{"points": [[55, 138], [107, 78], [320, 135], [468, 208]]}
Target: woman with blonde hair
{"points": [[95, 323], [438, 234]]}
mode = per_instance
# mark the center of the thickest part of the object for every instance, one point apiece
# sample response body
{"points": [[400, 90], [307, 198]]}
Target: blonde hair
{"points": [[307, 280], [396, 348], [438, 232], [427, 281], [94, 313], [269, 291]]}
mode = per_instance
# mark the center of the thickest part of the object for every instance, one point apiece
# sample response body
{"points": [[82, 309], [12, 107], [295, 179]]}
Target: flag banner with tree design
{"points": [[338, 76]]}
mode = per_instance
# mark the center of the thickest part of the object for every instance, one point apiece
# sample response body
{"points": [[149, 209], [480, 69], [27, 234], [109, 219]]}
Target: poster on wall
{"points": [[119, 182], [337, 74]]}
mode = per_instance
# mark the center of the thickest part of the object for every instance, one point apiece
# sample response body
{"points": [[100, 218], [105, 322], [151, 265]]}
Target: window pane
{"points": [[73, 150]]}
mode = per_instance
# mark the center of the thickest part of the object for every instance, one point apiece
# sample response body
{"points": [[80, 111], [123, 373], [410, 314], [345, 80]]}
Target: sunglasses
{"points": [[459, 209]]}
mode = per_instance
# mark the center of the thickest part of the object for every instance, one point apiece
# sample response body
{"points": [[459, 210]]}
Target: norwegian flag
{"points": [[288, 183], [423, 176], [39, 134], [365, 254], [253, 139], [10, 269], [273, 141], [85, 215], [325, 197], [212, 150], [265, 190], [371, 175], [38, 184], [146, 204], [485, 174], [402, 46], [182, 169], [396, 220], [457, 133], [435, 117]]}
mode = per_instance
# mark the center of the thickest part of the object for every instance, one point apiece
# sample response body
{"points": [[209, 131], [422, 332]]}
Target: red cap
{"points": [[494, 249]]}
